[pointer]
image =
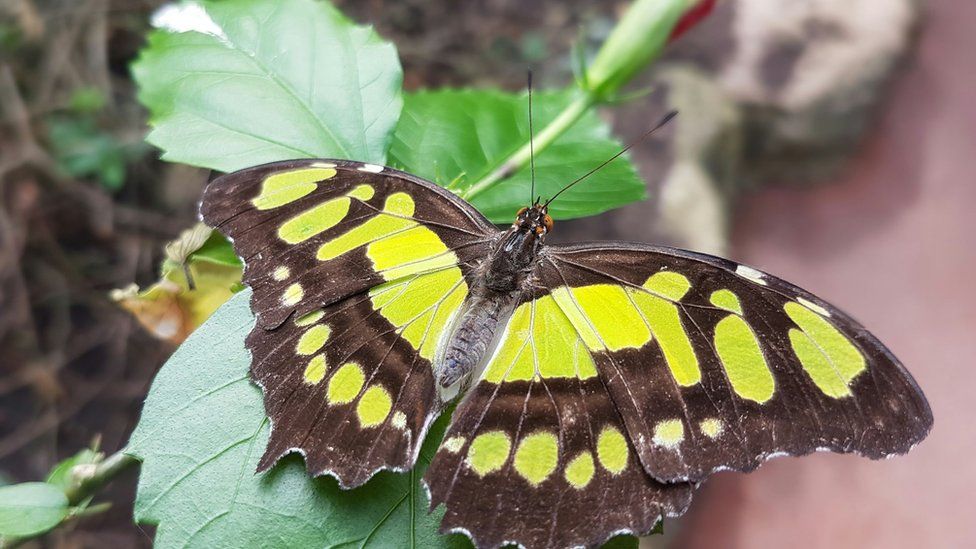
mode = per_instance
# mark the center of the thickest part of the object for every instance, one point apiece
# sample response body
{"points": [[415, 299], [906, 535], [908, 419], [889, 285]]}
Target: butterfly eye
{"points": [[520, 212], [548, 223]]}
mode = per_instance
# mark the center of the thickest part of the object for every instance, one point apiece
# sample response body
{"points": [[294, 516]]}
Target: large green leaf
{"points": [[269, 80], [202, 431], [456, 137], [30, 508]]}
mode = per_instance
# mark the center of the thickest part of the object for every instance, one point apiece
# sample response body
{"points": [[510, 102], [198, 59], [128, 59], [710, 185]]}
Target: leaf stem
{"points": [[573, 112]]}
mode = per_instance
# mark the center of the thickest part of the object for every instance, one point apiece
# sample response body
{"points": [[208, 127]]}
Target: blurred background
{"points": [[827, 141]]}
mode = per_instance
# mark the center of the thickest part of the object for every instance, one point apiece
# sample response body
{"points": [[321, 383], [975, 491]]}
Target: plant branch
{"points": [[636, 40], [89, 479]]}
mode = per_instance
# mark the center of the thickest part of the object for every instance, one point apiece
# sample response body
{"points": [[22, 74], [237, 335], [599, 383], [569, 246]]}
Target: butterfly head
{"points": [[534, 219]]}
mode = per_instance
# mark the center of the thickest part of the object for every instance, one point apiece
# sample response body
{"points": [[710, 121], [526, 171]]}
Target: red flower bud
{"points": [[691, 18]]}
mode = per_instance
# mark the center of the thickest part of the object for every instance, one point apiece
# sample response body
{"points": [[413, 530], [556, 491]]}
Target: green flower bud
{"points": [[637, 39]]}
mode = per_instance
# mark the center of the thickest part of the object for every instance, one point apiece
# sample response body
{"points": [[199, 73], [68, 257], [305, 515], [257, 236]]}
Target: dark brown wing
{"points": [[714, 365], [357, 271]]}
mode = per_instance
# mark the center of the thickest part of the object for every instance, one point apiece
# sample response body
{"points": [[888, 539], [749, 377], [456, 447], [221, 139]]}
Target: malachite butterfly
{"points": [[595, 384]]}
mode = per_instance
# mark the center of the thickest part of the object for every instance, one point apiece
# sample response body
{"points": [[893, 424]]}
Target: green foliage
{"points": [[288, 79], [200, 438], [457, 137], [82, 149], [335, 94], [30, 508]]}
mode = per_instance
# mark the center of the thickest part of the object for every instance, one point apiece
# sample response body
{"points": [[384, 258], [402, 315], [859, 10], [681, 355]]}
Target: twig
{"points": [[87, 480]]}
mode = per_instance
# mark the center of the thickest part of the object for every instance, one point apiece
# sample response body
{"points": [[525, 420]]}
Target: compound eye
{"points": [[548, 223], [520, 212]]}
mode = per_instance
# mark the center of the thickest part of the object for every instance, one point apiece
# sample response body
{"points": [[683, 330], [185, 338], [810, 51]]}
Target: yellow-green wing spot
{"points": [[362, 192], [374, 406], [292, 295], [712, 427], [611, 450], [395, 217], [668, 284], [725, 299], [613, 317], [415, 250], [537, 456], [282, 272], [539, 341], [422, 306], [580, 470], [345, 384], [658, 308], [828, 356], [743, 359], [669, 433], [313, 221], [313, 339], [603, 315], [285, 187], [310, 318], [488, 452], [315, 370]]}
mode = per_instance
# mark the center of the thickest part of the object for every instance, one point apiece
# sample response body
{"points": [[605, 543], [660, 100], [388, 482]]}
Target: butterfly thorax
{"points": [[498, 283]]}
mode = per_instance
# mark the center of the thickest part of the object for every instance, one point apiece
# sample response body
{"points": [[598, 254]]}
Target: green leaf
{"points": [[461, 136], [202, 431], [217, 249], [31, 508], [270, 81]]}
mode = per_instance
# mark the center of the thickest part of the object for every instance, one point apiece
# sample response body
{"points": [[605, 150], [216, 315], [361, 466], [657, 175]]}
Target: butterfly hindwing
{"points": [[537, 453], [357, 271], [714, 365]]}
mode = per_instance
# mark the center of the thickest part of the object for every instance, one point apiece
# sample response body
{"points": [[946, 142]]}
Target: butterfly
{"points": [[595, 384]]}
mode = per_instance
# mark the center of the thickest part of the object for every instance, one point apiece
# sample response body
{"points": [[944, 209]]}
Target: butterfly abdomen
{"points": [[473, 336]]}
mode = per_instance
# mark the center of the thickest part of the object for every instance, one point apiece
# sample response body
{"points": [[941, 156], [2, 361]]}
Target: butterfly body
{"points": [[499, 282], [596, 384]]}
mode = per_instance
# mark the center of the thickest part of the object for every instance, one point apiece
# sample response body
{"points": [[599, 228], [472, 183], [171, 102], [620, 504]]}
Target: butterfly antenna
{"points": [[531, 140], [667, 118]]}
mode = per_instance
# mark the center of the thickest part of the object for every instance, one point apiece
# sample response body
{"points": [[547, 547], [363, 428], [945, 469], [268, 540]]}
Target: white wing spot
{"points": [[371, 168], [322, 165], [751, 274], [399, 420]]}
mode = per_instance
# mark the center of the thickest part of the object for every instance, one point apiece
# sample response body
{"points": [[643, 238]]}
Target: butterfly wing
{"points": [[715, 365], [632, 370], [537, 453], [357, 271]]}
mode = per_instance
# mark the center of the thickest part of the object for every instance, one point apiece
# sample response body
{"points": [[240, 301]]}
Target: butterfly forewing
{"points": [[313, 232], [357, 271], [714, 365]]}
